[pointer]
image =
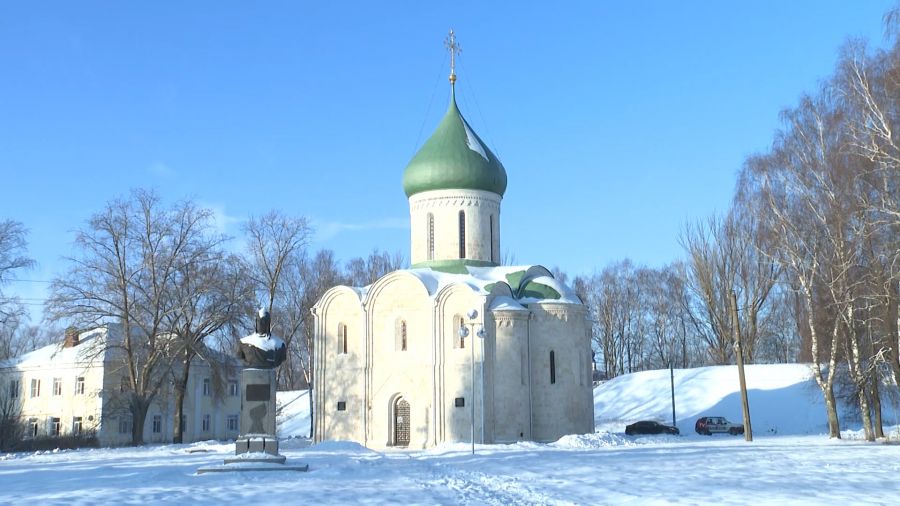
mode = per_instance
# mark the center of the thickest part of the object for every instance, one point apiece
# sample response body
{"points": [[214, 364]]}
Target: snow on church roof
{"points": [[528, 284]]}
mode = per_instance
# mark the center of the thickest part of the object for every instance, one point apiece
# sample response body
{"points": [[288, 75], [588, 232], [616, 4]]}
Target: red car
{"points": [[709, 425]]}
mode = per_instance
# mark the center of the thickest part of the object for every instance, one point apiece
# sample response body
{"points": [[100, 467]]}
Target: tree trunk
{"points": [[876, 405], [312, 417], [180, 390], [139, 408], [863, 400], [858, 376], [834, 425], [826, 385]]}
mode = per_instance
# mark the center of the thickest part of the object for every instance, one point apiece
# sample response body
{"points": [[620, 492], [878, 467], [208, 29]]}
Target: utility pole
{"points": [[739, 355], [672, 383]]}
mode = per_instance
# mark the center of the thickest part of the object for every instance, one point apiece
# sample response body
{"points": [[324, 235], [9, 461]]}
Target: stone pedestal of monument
{"points": [[258, 442], [256, 449]]}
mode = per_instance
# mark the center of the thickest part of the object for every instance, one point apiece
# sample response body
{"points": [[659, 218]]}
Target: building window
{"points": [[459, 402], [492, 237], [342, 406], [76, 425], [552, 366], [14, 389], [33, 427], [232, 388], [124, 385], [157, 424], [582, 366], [55, 427], [430, 236], [57, 386], [232, 423], [523, 369], [462, 234], [35, 387], [459, 339], [342, 338], [79, 385], [124, 425], [205, 423], [206, 387], [400, 339]]}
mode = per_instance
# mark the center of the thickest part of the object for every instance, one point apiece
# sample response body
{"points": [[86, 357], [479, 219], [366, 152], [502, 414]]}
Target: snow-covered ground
{"points": [[790, 460]]}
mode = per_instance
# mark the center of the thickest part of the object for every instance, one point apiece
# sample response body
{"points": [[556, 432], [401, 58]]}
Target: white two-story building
{"points": [[76, 386]]}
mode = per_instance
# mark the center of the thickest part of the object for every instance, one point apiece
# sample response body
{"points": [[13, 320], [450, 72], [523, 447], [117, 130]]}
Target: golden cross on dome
{"points": [[454, 48]]}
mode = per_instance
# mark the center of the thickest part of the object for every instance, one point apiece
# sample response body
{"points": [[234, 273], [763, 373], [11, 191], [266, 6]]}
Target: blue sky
{"points": [[616, 121]]}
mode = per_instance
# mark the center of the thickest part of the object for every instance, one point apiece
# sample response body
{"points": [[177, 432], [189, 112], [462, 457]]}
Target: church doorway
{"points": [[401, 422]]}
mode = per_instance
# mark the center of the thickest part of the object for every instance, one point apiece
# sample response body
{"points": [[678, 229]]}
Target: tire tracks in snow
{"points": [[475, 487]]}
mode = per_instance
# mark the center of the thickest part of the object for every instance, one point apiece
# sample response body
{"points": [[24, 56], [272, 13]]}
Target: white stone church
{"points": [[457, 348]]}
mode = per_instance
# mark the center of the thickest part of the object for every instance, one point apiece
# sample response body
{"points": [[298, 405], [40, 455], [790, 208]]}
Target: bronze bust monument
{"points": [[261, 350]]}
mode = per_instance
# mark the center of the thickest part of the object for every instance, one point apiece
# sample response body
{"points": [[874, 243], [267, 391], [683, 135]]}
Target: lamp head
{"points": [[472, 314]]}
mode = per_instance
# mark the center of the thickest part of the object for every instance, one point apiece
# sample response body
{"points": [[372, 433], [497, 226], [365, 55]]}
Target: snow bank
{"points": [[292, 412], [784, 399]]}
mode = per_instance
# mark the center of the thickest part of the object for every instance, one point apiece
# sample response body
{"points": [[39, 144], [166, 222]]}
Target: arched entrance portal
{"points": [[401, 422]]}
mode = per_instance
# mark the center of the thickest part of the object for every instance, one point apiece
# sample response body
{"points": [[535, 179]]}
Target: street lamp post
{"points": [[463, 333]]}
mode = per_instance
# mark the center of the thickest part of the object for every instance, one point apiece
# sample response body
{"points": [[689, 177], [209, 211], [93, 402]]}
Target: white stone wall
{"points": [[512, 388], [453, 366], [339, 377], [397, 373], [444, 205], [566, 405], [66, 405]]}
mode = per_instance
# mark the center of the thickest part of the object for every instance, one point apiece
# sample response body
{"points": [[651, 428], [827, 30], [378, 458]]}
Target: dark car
{"points": [[650, 427], [709, 425]]}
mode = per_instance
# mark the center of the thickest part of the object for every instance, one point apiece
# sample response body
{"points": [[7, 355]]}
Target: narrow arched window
{"points": [[400, 341], [430, 236], [403, 335], [552, 367], [492, 237], [459, 328], [462, 234], [342, 338]]}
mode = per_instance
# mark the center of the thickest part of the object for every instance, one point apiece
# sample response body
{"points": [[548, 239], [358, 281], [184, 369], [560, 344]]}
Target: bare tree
{"points": [[726, 255], [870, 85], [798, 188], [12, 427], [209, 292], [277, 248], [274, 241], [18, 338], [127, 257], [365, 271], [13, 314]]}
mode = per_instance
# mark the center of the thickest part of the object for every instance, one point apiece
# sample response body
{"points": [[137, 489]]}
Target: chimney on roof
{"points": [[71, 337]]}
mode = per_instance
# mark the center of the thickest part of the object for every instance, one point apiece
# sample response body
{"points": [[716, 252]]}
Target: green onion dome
{"points": [[454, 158]]}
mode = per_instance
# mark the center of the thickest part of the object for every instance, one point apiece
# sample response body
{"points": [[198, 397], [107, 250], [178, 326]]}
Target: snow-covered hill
{"points": [[784, 398]]}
